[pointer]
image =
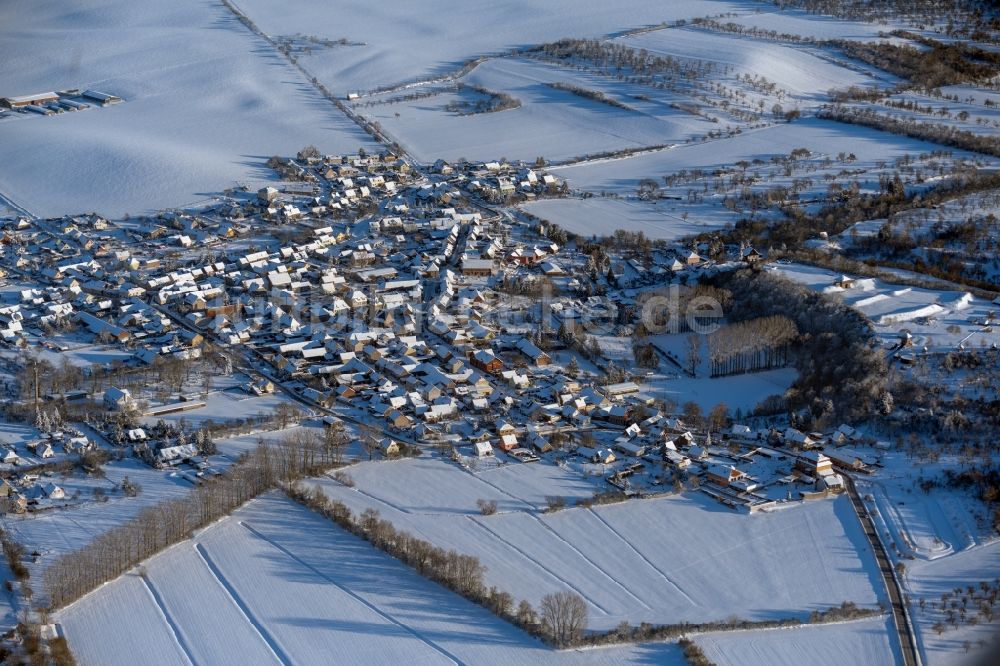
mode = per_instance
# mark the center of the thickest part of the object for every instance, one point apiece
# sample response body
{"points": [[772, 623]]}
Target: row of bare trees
{"points": [[112, 553], [751, 346], [561, 618]]}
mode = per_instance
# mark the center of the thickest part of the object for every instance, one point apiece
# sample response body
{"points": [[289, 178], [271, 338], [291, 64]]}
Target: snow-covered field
{"points": [[275, 583], [555, 124], [816, 26], [415, 41], [660, 560], [741, 392], [804, 74], [861, 642], [595, 216], [206, 103], [929, 579], [823, 138]]}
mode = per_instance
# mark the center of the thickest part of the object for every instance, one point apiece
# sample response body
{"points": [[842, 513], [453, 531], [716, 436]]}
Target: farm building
{"points": [[30, 100], [102, 98]]}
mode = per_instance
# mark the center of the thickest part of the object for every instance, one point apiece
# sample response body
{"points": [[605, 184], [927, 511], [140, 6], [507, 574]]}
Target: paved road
{"points": [[900, 618]]}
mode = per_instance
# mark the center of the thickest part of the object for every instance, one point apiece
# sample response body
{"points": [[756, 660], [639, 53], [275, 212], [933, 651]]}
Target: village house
{"points": [[723, 475], [116, 399]]}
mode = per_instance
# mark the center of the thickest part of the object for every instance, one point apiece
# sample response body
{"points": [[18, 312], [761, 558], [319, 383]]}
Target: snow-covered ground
{"points": [[928, 580], [814, 26], [861, 642], [555, 124], [58, 531], [206, 103], [675, 559], [275, 583], [806, 75], [823, 138], [743, 392], [595, 216], [419, 40]]}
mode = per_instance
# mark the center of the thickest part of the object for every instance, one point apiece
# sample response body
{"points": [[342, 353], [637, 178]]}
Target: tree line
{"points": [[74, 574], [560, 620]]}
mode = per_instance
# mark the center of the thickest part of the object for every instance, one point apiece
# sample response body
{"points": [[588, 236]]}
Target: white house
{"points": [[117, 399]]}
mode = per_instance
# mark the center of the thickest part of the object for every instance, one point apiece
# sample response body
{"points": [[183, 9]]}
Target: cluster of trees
{"points": [[842, 377], [675, 307], [15, 554], [561, 618], [112, 553], [916, 11], [616, 59], [946, 135], [938, 64], [751, 346], [489, 102], [693, 653], [575, 338], [891, 198], [972, 604], [587, 93]]}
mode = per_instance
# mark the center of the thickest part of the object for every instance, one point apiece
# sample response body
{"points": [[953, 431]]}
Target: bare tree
{"points": [[564, 617]]}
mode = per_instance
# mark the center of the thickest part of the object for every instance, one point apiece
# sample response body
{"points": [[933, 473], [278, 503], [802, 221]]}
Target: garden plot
{"points": [[419, 41], [661, 560], [206, 103], [555, 124], [940, 320], [270, 585], [860, 642]]}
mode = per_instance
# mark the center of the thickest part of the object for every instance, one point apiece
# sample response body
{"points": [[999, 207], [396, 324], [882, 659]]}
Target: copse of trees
{"points": [[938, 64], [112, 553], [841, 376], [660, 71], [751, 346], [587, 93], [490, 102], [944, 134]]}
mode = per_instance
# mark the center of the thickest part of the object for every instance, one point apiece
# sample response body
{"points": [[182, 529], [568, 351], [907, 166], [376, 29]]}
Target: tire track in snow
{"points": [[426, 641], [540, 566], [500, 490], [643, 557], [374, 498], [265, 635], [168, 618], [589, 561]]}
